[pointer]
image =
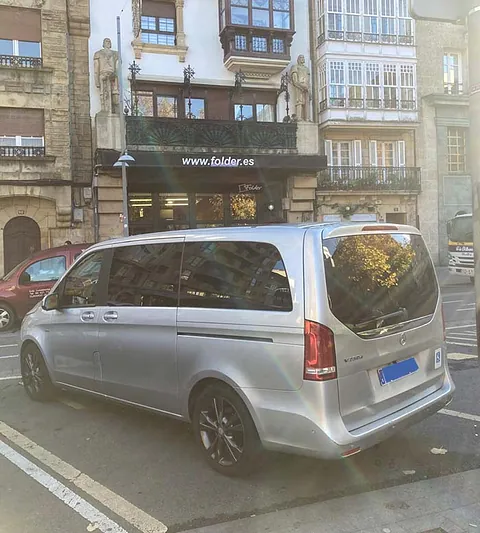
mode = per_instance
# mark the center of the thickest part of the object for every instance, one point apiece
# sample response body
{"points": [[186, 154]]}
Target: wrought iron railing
{"points": [[210, 133], [366, 37], [22, 151], [455, 89], [369, 103], [404, 179], [20, 61]]}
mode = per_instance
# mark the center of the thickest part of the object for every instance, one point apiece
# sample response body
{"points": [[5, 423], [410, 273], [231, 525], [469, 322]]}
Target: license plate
{"points": [[397, 371]]}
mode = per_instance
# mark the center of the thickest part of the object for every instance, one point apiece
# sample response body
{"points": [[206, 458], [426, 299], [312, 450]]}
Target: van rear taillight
{"points": [[379, 228], [320, 357]]}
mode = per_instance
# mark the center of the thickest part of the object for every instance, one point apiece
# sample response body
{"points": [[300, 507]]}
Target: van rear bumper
{"points": [[308, 421]]}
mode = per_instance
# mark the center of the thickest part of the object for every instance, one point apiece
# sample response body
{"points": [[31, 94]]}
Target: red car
{"points": [[31, 280]]}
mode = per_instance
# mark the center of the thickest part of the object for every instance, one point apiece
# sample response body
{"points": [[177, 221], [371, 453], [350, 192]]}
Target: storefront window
{"points": [[209, 207], [140, 208], [174, 211], [243, 207]]}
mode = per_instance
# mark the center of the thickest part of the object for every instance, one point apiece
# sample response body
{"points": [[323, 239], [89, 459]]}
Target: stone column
{"points": [[299, 203]]}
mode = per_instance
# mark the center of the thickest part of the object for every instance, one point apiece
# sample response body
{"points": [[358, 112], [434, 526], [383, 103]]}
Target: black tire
{"points": [[225, 431], [8, 318], [35, 377]]}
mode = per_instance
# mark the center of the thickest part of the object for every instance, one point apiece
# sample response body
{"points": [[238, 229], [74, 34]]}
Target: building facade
{"points": [[219, 107], [366, 77], [45, 134], [443, 134]]}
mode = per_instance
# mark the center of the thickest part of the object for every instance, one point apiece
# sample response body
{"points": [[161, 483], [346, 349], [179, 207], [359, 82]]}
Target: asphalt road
{"points": [[144, 471]]}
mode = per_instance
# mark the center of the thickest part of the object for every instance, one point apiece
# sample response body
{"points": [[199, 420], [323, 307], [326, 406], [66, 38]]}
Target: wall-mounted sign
{"points": [[250, 187]]}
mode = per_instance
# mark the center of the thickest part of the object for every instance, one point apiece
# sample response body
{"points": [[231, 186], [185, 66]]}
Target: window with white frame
{"points": [[158, 23], [405, 23], [390, 86], [322, 75], [370, 20], [387, 154], [355, 84], [341, 154], [335, 17], [337, 84], [452, 73], [372, 73], [457, 149], [353, 19], [407, 87], [19, 140], [388, 25]]}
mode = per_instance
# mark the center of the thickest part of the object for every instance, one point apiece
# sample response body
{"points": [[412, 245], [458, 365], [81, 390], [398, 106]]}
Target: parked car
{"points": [[31, 280], [320, 340]]}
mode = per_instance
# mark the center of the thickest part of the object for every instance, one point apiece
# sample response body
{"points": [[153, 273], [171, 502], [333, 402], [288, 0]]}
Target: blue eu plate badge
{"points": [[438, 358]]}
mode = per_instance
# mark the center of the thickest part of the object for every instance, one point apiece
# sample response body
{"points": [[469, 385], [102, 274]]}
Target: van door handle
{"points": [[88, 316], [110, 316]]}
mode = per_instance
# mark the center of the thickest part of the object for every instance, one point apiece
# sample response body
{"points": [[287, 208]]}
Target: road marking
{"points": [[458, 414], [455, 343], [109, 499], [466, 309], [461, 356], [7, 378], [72, 404], [460, 327], [8, 346], [453, 302], [64, 494], [9, 356]]}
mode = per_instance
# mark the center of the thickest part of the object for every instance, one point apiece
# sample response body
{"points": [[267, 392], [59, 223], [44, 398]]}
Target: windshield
{"points": [[375, 281], [462, 229]]}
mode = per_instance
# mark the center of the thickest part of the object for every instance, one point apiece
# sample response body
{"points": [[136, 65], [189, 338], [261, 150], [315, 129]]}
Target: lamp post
{"points": [[188, 76], [134, 71], [238, 90], [285, 80], [123, 162]]}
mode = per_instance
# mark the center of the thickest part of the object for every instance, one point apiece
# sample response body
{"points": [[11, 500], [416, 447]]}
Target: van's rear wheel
{"points": [[225, 431], [7, 317], [35, 377]]}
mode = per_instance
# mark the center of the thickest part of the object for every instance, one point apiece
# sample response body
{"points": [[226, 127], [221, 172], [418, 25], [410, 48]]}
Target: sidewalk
{"points": [[447, 280], [449, 504]]}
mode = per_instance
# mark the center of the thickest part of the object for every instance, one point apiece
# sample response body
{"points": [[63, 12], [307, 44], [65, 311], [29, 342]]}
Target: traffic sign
{"points": [[442, 10]]}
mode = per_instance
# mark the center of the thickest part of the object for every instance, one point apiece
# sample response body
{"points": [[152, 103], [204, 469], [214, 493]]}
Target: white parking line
{"points": [[9, 378], [458, 414], [453, 301], [461, 356], [8, 346], [64, 494], [461, 327], [456, 343], [9, 356], [109, 499]]}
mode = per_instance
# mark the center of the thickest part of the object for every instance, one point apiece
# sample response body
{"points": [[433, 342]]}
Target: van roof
{"points": [[49, 251], [274, 229]]}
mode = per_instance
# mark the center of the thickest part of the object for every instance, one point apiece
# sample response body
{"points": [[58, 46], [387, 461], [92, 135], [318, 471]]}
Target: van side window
{"points": [[145, 275], [80, 286], [44, 270], [234, 275]]}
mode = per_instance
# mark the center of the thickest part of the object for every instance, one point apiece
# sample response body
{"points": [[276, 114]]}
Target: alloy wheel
{"points": [[5, 318], [222, 431], [32, 374]]}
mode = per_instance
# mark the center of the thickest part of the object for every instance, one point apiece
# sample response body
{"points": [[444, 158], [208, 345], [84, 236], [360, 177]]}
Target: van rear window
{"points": [[380, 280]]}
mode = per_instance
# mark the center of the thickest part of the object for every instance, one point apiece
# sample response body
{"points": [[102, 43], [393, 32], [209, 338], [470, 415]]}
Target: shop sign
{"points": [[250, 187]]}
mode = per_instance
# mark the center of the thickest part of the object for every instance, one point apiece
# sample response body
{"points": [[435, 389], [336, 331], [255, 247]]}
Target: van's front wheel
{"points": [[225, 431], [35, 377]]}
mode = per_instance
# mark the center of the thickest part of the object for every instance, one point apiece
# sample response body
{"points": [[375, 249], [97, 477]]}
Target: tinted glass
{"points": [[145, 275], [80, 287], [45, 270], [375, 281], [462, 229], [234, 275]]}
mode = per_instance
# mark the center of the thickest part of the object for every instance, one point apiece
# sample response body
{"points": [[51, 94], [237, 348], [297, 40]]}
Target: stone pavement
{"points": [[449, 504]]}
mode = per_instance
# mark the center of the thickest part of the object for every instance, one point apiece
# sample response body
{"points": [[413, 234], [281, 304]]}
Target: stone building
{"points": [[365, 70], [219, 115], [442, 137], [45, 133]]}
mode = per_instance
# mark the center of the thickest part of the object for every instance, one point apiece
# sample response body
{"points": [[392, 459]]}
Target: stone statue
{"points": [[106, 77], [300, 78]]}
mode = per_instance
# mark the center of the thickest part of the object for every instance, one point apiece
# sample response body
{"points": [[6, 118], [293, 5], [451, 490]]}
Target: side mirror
{"points": [[51, 302], [24, 278]]}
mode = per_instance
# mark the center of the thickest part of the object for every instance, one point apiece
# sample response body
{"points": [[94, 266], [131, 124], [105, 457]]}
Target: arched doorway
{"points": [[21, 237]]}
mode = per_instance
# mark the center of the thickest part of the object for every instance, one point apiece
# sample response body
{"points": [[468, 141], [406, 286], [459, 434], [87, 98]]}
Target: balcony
{"points": [[368, 103], [219, 134], [22, 151], [376, 179], [454, 89], [20, 61], [365, 37], [259, 52]]}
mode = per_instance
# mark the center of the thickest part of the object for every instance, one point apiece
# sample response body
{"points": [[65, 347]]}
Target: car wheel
{"points": [[35, 377], [7, 317], [225, 431]]}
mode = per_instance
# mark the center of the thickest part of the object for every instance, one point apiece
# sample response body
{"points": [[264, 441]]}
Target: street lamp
{"points": [[123, 162]]}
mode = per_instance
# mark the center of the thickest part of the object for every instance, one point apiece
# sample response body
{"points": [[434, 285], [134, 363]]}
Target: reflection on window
{"points": [[243, 112], [140, 207], [457, 149], [145, 276], [81, 284], [166, 106], [260, 13], [265, 113], [145, 103], [234, 275], [197, 108], [158, 30], [209, 207], [45, 270], [29, 49], [243, 206], [174, 211]]}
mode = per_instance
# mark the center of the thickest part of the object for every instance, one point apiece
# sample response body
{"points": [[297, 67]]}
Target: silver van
{"points": [[316, 339]]}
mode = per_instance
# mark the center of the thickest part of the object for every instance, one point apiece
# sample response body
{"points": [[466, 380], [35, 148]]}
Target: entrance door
{"points": [[396, 218], [21, 238]]}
